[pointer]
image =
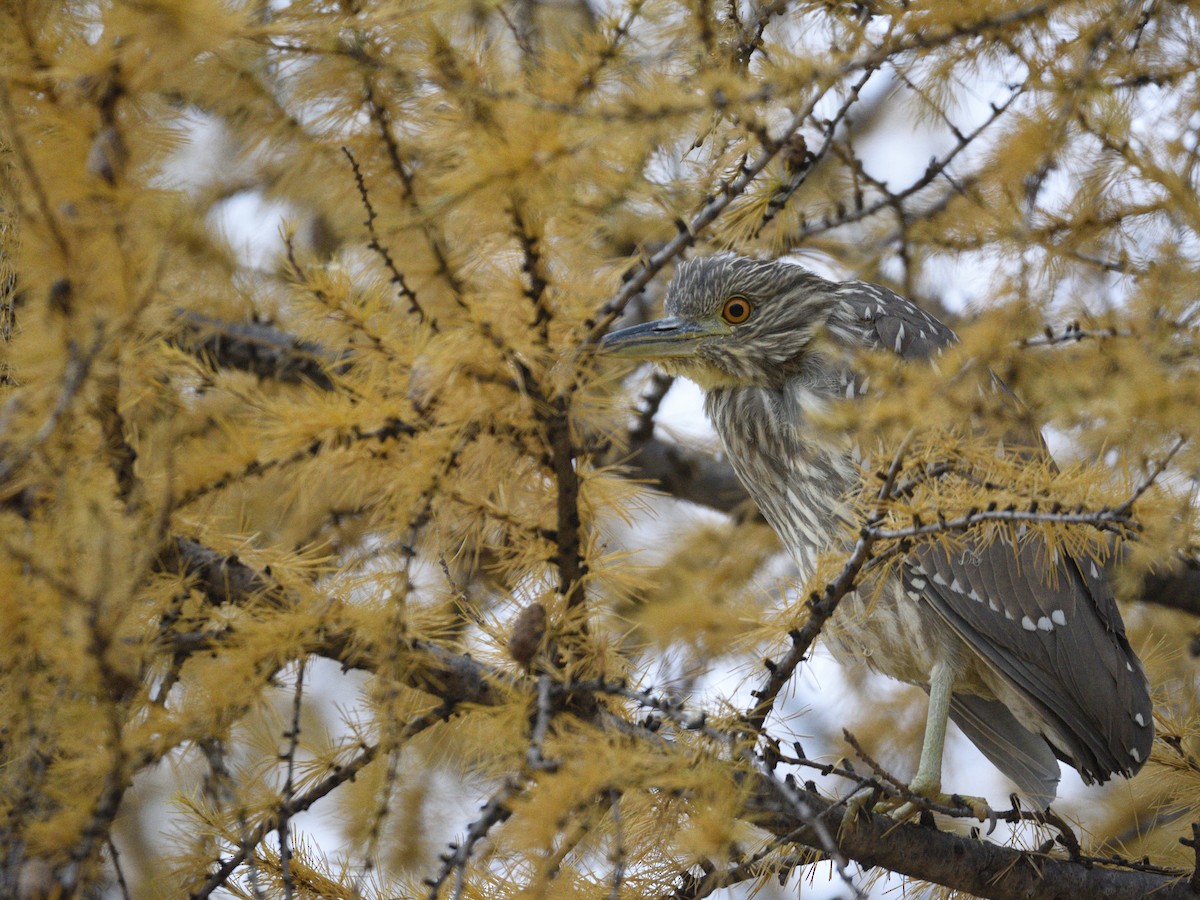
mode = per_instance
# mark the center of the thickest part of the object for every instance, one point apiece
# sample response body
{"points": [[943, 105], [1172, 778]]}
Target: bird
{"points": [[1034, 666]]}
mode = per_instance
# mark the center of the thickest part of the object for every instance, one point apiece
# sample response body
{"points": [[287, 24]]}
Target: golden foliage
{"points": [[349, 455]]}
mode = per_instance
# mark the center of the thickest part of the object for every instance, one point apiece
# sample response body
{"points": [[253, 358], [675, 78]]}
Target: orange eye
{"points": [[736, 310]]}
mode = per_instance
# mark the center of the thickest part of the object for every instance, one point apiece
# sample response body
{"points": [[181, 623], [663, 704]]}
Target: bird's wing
{"points": [[1049, 627], [1012, 748], [888, 321], [880, 319]]}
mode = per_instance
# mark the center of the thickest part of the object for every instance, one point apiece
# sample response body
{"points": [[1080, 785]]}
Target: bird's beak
{"points": [[663, 339]]}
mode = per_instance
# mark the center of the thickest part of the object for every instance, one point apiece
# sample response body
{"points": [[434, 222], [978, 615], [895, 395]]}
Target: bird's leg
{"points": [[927, 782]]}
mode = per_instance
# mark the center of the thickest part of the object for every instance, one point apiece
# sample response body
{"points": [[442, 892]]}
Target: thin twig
{"points": [[794, 799], [116, 861], [617, 857], [340, 775], [541, 727], [1072, 333], [1116, 520], [1194, 843], [494, 811], [1151, 476], [292, 736], [781, 198], [937, 166], [807, 814], [397, 277], [687, 232]]}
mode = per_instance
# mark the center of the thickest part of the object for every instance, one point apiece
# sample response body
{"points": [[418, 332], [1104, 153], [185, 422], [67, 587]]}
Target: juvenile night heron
{"points": [[1032, 665]]}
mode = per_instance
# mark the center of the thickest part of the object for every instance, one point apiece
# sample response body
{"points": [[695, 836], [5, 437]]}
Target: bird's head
{"points": [[733, 322]]}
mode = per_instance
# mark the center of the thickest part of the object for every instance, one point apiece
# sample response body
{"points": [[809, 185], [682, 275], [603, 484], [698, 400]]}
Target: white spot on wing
{"points": [[1058, 617], [1027, 624], [919, 583], [956, 587], [1044, 624], [938, 579], [1137, 757], [1095, 572], [913, 595], [1140, 719], [974, 595]]}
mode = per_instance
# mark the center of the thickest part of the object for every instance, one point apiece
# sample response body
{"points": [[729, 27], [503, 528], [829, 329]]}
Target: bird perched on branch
{"points": [[1033, 665]]}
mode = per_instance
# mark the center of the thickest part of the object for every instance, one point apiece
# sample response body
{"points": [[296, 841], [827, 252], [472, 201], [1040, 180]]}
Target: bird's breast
{"points": [[803, 479], [799, 475]]}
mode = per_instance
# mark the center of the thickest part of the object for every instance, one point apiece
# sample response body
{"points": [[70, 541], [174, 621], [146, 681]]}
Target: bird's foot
{"points": [[857, 803], [902, 810], [976, 806], [930, 791]]}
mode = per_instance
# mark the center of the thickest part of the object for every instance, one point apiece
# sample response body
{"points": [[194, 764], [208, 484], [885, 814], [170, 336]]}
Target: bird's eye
{"points": [[736, 310]]}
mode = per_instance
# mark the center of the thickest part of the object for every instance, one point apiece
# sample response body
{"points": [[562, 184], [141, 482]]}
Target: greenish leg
{"points": [[928, 780]]}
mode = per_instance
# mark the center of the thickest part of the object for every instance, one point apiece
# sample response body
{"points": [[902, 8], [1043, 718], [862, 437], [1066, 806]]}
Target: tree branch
{"points": [[962, 863], [262, 350], [984, 869]]}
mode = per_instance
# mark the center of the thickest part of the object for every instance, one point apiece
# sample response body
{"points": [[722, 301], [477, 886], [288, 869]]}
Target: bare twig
{"points": [[781, 198], [1151, 476], [617, 855], [116, 861], [1116, 520], [343, 773], [608, 52], [494, 811], [643, 430], [1072, 333], [397, 277], [937, 166], [534, 755], [1194, 843], [292, 736], [809, 814]]}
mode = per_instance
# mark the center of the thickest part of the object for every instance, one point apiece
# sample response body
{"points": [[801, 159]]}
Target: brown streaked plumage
{"points": [[1032, 664]]}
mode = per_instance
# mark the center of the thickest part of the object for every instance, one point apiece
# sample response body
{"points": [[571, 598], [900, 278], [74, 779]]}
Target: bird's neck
{"points": [[797, 473]]}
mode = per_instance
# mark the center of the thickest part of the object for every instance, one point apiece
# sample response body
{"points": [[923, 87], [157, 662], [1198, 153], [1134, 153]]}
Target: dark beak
{"points": [[662, 339]]}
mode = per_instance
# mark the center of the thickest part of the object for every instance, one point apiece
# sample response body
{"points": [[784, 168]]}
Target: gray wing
{"points": [[884, 320], [1019, 753], [1050, 627], [874, 317], [1052, 631]]}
